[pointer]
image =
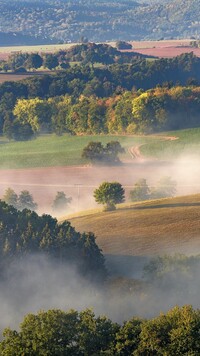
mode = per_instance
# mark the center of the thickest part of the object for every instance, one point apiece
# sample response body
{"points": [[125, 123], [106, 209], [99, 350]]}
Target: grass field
{"points": [[188, 142], [39, 48], [155, 227], [51, 150]]}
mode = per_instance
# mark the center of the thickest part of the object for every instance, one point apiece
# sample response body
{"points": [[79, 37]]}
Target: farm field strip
{"points": [[167, 225]]}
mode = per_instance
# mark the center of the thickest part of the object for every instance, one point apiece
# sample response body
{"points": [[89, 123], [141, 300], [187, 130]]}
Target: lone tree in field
{"points": [[97, 153], [109, 194], [61, 202]]}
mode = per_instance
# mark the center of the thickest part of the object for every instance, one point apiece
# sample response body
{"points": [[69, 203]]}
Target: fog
{"points": [[80, 182], [38, 283]]}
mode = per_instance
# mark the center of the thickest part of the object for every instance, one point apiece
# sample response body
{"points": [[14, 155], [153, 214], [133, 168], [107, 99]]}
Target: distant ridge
{"points": [[18, 39]]}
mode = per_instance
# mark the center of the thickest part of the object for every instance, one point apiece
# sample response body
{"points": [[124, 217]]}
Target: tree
{"points": [[95, 152], [55, 332], [61, 202], [141, 191], [112, 150], [123, 45], [173, 333], [19, 131], [128, 337], [25, 201], [51, 61], [109, 194], [10, 197], [34, 61], [166, 187]]}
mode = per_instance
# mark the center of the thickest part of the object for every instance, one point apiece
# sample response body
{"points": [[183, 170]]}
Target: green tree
{"points": [[61, 202], [128, 337], [109, 194], [94, 152], [123, 45], [141, 191], [10, 197], [60, 333], [25, 201], [173, 333], [34, 60], [48, 333], [51, 61], [112, 151]]}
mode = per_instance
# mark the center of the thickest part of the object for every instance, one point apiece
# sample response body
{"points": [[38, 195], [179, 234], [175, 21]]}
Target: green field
{"points": [[52, 150], [39, 48], [188, 142], [142, 229]]}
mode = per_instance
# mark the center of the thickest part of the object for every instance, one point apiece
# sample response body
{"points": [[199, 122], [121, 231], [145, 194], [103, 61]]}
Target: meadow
{"points": [[187, 143], [52, 150]]}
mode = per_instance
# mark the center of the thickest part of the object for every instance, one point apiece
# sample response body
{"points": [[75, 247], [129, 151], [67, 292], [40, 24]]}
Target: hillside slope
{"points": [[154, 227], [68, 21]]}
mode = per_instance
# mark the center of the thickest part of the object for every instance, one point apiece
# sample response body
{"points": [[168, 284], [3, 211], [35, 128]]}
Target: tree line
{"points": [[93, 100], [25, 200], [154, 110], [89, 53], [56, 332]]}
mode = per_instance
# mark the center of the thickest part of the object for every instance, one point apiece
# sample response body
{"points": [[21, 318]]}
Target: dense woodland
{"points": [[74, 20], [24, 232], [140, 97], [56, 332]]}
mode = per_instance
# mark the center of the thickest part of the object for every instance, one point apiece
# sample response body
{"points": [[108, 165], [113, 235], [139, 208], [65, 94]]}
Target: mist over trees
{"points": [[22, 201], [26, 232], [97, 153], [164, 188]]}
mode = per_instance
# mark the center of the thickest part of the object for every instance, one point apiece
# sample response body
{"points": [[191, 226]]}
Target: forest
{"points": [[70, 21], [140, 97], [24, 232], [56, 332]]}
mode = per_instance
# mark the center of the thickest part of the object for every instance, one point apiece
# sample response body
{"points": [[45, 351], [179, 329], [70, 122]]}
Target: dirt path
{"points": [[135, 151]]}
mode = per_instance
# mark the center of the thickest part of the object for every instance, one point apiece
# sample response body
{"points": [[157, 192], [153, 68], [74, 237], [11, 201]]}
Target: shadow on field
{"points": [[160, 206], [126, 266]]}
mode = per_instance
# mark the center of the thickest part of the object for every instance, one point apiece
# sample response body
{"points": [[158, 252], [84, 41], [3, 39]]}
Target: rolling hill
{"points": [[66, 21], [170, 225]]}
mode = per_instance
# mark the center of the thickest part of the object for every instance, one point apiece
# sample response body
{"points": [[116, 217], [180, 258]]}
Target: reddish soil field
{"points": [[5, 77], [168, 52], [80, 182], [4, 56], [160, 44]]}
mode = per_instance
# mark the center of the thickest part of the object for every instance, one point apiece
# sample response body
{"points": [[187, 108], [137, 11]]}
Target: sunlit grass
{"points": [[159, 226], [188, 142], [52, 150]]}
